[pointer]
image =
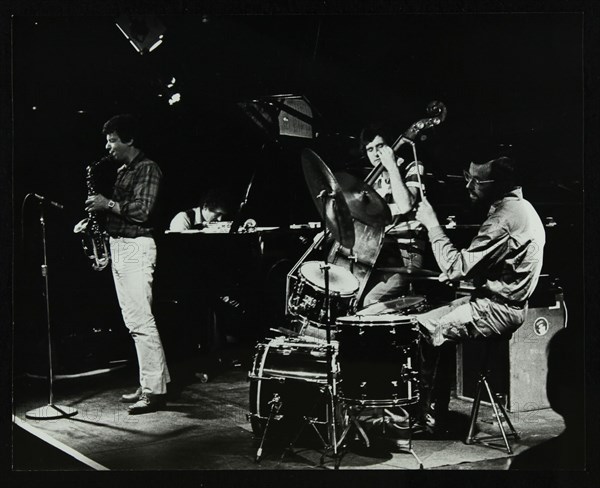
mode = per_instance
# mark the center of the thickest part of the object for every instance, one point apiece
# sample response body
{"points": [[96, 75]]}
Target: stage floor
{"points": [[205, 427]]}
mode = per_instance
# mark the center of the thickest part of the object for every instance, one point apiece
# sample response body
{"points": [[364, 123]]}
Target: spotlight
{"points": [[156, 44], [176, 97]]}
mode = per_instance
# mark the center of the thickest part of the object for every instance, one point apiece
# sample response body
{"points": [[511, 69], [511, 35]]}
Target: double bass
{"points": [[361, 259], [368, 238]]}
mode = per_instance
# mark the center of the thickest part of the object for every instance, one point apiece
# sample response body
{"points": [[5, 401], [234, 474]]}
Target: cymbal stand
{"points": [[331, 386], [50, 411], [411, 290], [312, 421], [353, 423], [416, 160]]}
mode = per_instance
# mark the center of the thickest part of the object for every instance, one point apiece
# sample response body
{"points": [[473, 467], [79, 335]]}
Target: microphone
{"points": [[42, 198]]}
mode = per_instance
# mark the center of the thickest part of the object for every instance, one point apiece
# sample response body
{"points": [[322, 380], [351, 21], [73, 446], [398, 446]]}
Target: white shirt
{"points": [[182, 220]]}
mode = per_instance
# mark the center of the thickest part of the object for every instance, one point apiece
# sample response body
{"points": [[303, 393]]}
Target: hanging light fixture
{"points": [[144, 32]]}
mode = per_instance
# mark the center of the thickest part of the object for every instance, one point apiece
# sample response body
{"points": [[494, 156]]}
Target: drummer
{"points": [[406, 238], [504, 260]]}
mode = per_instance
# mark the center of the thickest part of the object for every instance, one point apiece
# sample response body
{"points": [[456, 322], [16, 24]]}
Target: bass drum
{"points": [[379, 360], [296, 372]]}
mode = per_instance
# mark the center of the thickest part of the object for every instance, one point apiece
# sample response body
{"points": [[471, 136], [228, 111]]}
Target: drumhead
{"points": [[341, 281], [384, 319]]}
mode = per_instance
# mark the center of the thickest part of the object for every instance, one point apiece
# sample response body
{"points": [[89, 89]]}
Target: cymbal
{"points": [[325, 191], [366, 205], [412, 271], [401, 304]]}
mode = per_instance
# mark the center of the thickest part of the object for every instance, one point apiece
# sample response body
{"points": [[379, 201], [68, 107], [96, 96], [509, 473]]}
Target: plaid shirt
{"points": [[136, 191]]}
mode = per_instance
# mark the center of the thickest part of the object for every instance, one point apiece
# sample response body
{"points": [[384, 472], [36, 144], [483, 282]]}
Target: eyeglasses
{"points": [[469, 177]]}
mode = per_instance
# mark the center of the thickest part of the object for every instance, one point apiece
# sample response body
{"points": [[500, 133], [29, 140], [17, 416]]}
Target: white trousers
{"points": [[133, 262]]}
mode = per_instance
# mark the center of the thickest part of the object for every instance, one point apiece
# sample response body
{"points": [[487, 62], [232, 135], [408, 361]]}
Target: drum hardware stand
{"points": [[50, 411], [276, 404], [353, 259], [312, 421], [331, 380], [409, 448], [353, 422]]}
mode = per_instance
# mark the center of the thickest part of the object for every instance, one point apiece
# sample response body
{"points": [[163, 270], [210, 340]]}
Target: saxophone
{"points": [[94, 239]]}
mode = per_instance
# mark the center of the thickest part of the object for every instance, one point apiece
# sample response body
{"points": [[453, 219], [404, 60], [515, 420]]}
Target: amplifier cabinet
{"points": [[519, 366]]}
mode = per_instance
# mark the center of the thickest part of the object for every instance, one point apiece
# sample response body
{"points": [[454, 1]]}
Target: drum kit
{"points": [[363, 360]]}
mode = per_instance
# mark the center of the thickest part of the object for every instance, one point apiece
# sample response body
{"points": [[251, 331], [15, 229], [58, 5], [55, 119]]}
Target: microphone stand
{"points": [[237, 221], [50, 411]]}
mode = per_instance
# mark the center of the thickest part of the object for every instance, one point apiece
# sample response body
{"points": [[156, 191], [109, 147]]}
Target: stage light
{"points": [[144, 32], [155, 45], [135, 46], [176, 97]]}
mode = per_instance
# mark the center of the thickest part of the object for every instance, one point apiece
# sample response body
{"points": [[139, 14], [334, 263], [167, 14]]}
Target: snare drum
{"points": [[296, 370], [307, 298], [378, 360]]}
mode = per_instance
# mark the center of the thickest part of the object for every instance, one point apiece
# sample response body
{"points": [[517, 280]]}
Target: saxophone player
{"points": [[129, 212]]}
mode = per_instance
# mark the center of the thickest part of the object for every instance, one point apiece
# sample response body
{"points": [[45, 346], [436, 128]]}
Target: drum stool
{"points": [[490, 347]]}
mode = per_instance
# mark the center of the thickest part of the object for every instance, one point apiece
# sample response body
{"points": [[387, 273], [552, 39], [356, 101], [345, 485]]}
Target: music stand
{"points": [[49, 411]]}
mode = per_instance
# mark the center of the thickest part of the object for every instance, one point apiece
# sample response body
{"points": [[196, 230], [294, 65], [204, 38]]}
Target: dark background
{"points": [[510, 78]]}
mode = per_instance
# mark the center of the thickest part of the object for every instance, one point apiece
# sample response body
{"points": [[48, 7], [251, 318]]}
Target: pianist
{"points": [[216, 206]]}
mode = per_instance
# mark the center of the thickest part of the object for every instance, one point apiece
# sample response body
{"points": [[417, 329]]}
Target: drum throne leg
{"points": [[500, 414]]}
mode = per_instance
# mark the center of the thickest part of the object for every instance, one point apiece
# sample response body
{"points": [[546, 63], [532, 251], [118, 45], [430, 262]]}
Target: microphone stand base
{"points": [[50, 412]]}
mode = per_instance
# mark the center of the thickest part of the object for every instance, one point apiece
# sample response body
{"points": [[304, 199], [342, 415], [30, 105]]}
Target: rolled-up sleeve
{"points": [[145, 192], [487, 247]]}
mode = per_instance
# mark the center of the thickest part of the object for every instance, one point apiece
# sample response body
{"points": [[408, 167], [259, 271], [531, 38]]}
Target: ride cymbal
{"points": [[328, 197], [365, 204]]}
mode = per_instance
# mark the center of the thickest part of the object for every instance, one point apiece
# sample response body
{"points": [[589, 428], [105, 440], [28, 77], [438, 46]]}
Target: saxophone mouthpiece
{"points": [[104, 159]]}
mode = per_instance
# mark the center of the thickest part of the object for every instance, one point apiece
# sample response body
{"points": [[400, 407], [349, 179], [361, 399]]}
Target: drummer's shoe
{"points": [[147, 403], [395, 435], [432, 427], [132, 397]]}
